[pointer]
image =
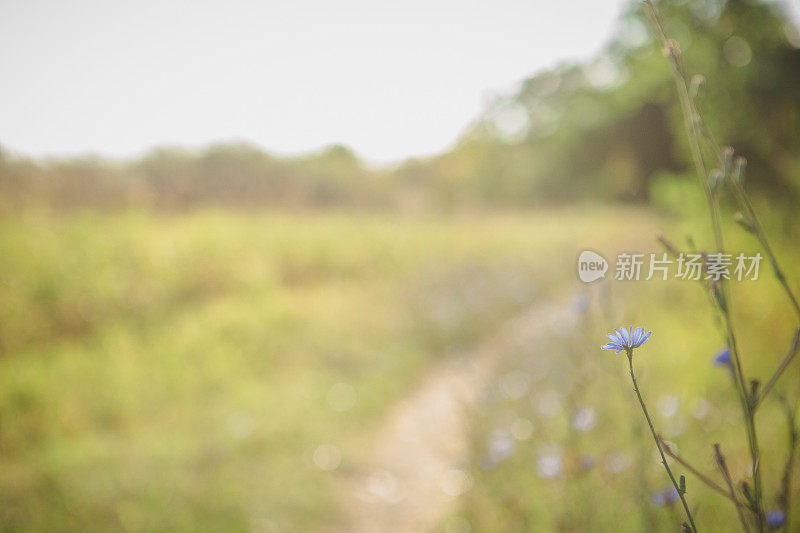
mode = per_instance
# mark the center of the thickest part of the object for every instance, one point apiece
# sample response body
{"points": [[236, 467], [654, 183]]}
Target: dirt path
{"points": [[415, 470]]}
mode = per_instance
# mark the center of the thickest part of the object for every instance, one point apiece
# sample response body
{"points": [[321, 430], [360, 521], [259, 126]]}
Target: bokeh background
{"points": [[211, 336]]}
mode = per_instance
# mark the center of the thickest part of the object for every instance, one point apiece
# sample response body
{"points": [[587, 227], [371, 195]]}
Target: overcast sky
{"points": [[389, 79]]}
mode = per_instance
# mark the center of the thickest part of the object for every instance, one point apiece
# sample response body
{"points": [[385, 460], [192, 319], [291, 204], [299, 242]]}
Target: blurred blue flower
{"points": [[581, 303], [665, 497], [500, 446], [550, 465], [626, 339], [723, 358], [775, 519]]}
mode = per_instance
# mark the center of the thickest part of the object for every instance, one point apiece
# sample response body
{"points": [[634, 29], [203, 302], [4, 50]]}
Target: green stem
{"points": [[748, 412], [691, 122], [629, 352], [785, 496]]}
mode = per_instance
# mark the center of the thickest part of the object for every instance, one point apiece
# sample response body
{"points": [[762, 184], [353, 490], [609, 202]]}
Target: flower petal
{"points": [[644, 339], [723, 357], [637, 334]]}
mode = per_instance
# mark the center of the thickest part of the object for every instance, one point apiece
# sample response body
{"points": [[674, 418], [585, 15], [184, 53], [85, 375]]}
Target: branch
{"points": [[700, 476], [723, 467], [785, 363]]}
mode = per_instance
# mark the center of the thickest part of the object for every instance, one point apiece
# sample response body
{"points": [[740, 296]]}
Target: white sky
{"points": [[389, 79]]}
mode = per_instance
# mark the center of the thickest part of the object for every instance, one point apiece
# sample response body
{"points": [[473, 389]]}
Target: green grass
{"points": [[173, 372], [674, 366]]}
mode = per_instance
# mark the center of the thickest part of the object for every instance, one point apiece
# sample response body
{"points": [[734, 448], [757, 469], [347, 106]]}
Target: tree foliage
{"points": [[606, 129]]}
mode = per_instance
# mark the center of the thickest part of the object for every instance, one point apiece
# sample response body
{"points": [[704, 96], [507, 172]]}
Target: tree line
{"points": [[607, 129]]}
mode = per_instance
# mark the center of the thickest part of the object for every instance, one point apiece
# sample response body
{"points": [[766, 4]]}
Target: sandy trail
{"points": [[416, 467]]}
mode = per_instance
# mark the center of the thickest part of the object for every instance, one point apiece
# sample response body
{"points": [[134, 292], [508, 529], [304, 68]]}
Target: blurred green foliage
{"points": [[168, 348], [606, 128], [603, 129], [584, 460], [175, 372]]}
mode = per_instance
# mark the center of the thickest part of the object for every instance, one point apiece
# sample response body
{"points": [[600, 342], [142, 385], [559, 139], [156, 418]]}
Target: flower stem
{"points": [[692, 122], [722, 464], [629, 352], [785, 495]]}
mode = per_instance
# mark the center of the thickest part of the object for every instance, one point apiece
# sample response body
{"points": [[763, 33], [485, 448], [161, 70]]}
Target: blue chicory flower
{"points": [[665, 497], [626, 339], [723, 358], [775, 519], [580, 303]]}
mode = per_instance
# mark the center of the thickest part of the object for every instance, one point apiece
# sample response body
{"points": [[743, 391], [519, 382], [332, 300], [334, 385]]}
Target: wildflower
{"points": [[665, 497], [500, 446], [584, 419], [626, 339], [580, 304], [587, 462], [550, 465], [775, 519], [723, 358]]}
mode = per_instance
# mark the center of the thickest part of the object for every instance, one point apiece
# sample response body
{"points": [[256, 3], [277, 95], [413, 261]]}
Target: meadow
{"points": [[221, 338], [559, 442], [178, 371], [224, 371]]}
